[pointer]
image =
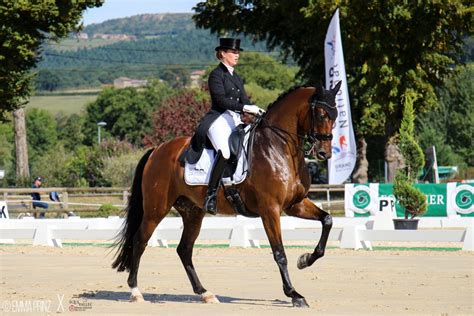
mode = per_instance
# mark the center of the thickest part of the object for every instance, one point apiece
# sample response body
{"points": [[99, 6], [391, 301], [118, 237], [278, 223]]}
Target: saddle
{"points": [[198, 164]]}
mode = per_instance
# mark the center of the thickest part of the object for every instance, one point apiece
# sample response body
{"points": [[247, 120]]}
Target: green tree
{"points": [[6, 153], [407, 195], [24, 27], [177, 77], [450, 126], [70, 130], [457, 96], [265, 71], [127, 113], [53, 166], [390, 47], [47, 80], [41, 133]]}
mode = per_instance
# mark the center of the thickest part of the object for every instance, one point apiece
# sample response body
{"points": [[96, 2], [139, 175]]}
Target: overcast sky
{"points": [[113, 9]]}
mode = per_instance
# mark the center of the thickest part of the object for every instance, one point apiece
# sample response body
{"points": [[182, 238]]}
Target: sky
{"points": [[113, 9]]}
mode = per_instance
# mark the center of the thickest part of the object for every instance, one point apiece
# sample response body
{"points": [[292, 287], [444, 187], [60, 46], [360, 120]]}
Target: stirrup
{"points": [[210, 203]]}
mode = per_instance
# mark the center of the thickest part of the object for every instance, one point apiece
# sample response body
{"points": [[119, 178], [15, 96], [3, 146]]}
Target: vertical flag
{"points": [[344, 151]]}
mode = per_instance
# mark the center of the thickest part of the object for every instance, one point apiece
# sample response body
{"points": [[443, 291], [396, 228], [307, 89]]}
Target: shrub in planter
{"points": [[407, 195], [412, 199]]}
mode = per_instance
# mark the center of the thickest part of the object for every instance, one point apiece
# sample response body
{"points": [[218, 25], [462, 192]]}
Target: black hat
{"points": [[38, 179], [229, 43]]}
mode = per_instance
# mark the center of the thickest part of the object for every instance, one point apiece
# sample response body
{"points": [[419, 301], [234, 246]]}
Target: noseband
{"points": [[332, 113]]}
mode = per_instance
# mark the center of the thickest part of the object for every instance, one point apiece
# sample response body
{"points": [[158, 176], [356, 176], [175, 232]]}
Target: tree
{"points": [[127, 113], [176, 76], [265, 71], [178, 115], [6, 152], [47, 80], [450, 126], [70, 130], [390, 46], [407, 195], [41, 133], [265, 78], [21, 147], [457, 97], [25, 26]]}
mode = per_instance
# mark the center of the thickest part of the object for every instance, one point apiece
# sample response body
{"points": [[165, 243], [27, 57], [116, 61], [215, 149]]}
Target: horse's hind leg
{"points": [[307, 210], [140, 240], [155, 208], [192, 220]]}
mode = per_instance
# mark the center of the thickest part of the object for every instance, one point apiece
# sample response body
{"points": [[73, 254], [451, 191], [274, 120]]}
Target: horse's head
{"points": [[323, 113]]}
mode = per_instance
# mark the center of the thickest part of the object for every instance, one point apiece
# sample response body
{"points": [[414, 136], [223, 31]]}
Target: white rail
{"points": [[238, 231]]}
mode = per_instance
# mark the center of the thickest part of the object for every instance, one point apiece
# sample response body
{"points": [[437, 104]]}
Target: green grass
{"points": [[68, 104], [74, 44]]}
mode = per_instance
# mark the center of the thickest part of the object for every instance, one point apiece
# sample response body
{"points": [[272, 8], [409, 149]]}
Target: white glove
{"points": [[253, 109]]}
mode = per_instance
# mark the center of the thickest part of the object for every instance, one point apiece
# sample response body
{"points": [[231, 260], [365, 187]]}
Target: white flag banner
{"points": [[344, 151]]}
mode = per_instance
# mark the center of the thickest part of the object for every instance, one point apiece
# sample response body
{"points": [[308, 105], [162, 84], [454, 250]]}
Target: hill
{"points": [[140, 47], [145, 25]]}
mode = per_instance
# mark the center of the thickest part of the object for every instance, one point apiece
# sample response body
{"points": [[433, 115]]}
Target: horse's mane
{"points": [[284, 94]]}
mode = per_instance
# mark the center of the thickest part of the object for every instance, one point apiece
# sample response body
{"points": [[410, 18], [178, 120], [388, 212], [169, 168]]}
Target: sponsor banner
{"points": [[435, 197], [460, 198], [361, 199], [3, 210], [344, 151], [443, 199]]}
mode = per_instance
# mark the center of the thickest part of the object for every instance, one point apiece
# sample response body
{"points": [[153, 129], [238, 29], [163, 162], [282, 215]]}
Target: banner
{"points": [[451, 199], [344, 151]]}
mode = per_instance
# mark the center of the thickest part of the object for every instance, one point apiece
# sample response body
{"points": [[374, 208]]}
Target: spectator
{"points": [[37, 197]]}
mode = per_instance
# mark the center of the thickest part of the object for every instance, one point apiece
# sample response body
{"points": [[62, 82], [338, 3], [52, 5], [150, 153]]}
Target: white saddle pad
{"points": [[200, 172]]}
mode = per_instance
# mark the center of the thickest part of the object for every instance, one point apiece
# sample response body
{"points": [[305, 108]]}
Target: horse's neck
{"points": [[288, 113], [282, 126]]}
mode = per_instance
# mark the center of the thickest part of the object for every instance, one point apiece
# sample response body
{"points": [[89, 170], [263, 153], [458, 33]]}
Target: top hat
{"points": [[229, 43]]}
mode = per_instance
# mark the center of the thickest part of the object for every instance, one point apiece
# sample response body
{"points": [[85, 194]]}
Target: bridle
{"points": [[332, 113], [312, 137]]}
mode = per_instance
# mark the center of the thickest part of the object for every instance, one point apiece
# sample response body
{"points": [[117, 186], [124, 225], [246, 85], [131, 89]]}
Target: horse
{"points": [[302, 114]]}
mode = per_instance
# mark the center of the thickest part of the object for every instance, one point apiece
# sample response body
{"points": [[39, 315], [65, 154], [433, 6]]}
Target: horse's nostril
{"points": [[322, 154]]}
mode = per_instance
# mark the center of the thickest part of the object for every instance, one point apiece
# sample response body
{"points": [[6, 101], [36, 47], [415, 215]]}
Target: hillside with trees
{"points": [[162, 43]]}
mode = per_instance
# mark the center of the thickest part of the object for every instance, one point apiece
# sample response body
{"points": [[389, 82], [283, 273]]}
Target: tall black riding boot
{"points": [[210, 202]]}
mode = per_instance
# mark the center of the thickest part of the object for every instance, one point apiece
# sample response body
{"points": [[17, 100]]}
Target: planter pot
{"points": [[402, 223]]}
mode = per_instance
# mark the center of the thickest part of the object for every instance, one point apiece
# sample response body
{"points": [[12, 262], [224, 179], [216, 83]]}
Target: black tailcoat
{"points": [[227, 93]]}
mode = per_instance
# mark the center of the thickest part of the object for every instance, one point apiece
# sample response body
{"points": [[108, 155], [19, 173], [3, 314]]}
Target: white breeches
{"points": [[220, 130]]}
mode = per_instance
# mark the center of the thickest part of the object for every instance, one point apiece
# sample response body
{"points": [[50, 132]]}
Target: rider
{"points": [[229, 100]]}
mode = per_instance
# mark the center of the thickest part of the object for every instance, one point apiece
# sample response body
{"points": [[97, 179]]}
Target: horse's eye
{"points": [[321, 117]]}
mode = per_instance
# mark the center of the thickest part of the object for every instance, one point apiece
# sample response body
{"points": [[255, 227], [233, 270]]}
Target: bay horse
{"points": [[301, 114]]}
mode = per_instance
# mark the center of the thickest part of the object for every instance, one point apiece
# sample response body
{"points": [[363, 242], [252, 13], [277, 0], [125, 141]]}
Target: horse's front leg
{"points": [[307, 210], [271, 223]]}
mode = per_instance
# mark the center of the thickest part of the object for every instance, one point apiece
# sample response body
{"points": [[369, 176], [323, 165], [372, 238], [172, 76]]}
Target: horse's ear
{"points": [[336, 88], [320, 86]]}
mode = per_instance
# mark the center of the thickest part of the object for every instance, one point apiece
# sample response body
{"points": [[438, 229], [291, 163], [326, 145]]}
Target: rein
{"points": [[312, 137]]}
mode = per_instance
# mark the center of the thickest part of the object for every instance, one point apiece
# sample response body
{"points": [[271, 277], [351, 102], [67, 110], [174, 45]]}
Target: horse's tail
{"points": [[133, 221]]}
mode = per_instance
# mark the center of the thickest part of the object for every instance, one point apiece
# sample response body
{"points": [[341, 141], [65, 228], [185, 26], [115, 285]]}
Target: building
{"points": [[124, 82], [118, 37], [196, 77]]}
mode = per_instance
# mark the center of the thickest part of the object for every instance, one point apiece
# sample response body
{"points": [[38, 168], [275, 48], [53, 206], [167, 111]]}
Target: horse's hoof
{"points": [[137, 299], [303, 261], [300, 302], [208, 297]]}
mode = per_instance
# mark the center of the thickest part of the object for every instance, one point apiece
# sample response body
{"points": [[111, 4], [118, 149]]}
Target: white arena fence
{"points": [[353, 233]]}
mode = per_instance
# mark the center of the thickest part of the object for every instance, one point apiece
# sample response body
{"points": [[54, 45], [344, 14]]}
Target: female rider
{"points": [[229, 100]]}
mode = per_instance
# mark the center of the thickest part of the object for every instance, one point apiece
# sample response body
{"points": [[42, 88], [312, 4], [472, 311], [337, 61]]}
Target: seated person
{"points": [[37, 197]]}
